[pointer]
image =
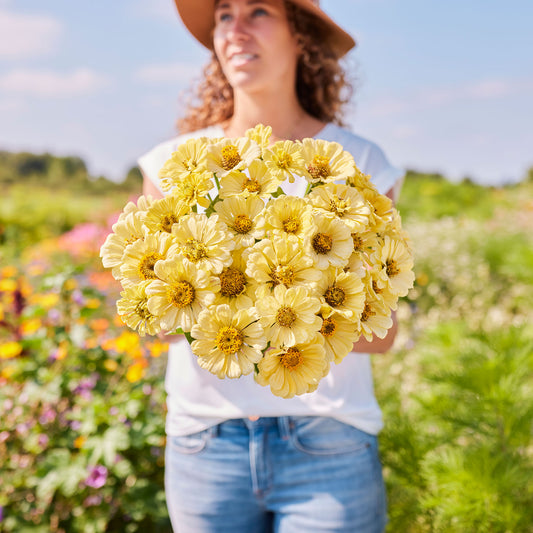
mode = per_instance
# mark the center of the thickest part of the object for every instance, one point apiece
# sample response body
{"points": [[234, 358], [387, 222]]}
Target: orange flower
{"points": [[136, 371]]}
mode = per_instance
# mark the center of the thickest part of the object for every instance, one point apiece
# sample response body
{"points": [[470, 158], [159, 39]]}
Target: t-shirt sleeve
{"points": [[383, 174], [151, 162]]}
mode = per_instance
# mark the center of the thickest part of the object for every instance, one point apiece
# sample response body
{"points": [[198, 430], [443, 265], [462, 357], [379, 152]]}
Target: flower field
{"points": [[82, 399]]}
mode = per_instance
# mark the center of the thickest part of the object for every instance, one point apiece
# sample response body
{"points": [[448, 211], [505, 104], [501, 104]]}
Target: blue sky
{"points": [[441, 86]]}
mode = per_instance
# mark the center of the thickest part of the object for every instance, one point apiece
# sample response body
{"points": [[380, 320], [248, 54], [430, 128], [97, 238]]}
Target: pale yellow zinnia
{"points": [[260, 134], [381, 209], [228, 343], [133, 309], [204, 241], [189, 158], [256, 181], [289, 215], [294, 370], [164, 213], [284, 159], [340, 334], [330, 244], [343, 202], [230, 155], [288, 316], [281, 261], [375, 319], [140, 258], [342, 292], [142, 204], [325, 161], [395, 264], [126, 231], [180, 294], [244, 218], [236, 289], [194, 189]]}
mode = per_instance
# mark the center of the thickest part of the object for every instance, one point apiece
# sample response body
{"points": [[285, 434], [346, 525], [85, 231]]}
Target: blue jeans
{"points": [[283, 475]]}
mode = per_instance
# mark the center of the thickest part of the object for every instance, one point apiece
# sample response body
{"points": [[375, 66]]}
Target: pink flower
{"points": [[97, 477]]}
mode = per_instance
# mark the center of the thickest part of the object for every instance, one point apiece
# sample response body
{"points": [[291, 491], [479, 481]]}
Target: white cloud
{"points": [[176, 73], [26, 35], [47, 83]]}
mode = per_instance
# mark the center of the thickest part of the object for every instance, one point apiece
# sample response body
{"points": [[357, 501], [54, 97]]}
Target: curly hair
{"points": [[322, 86]]}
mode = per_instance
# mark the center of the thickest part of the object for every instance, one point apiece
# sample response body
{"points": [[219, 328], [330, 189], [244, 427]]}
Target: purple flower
{"points": [[93, 500], [1, 514], [47, 416], [43, 440], [97, 477]]}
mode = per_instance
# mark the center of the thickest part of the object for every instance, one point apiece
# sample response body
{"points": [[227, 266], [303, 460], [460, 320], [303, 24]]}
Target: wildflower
{"points": [[97, 477], [258, 181], [260, 134], [288, 215], [375, 319], [284, 159], [230, 155], [235, 287], [10, 349], [228, 344], [164, 213], [133, 308], [339, 335]]}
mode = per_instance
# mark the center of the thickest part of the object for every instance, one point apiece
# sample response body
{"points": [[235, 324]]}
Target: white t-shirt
{"points": [[198, 399]]}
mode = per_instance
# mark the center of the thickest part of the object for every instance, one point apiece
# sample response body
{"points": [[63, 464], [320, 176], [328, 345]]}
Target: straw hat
{"points": [[198, 16]]}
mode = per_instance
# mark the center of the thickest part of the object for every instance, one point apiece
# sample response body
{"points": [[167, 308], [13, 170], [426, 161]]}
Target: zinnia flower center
{"points": [[141, 309], [292, 358], [367, 313], [392, 268], [375, 287], [334, 296], [338, 206], [232, 282], [329, 326], [167, 221], [229, 340], [322, 243], [251, 185], [146, 266], [285, 317], [284, 160], [194, 250], [181, 294], [284, 275], [357, 243], [230, 157], [243, 224], [319, 167], [291, 225]]}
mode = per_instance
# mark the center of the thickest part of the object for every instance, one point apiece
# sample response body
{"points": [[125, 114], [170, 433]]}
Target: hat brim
{"points": [[199, 18]]}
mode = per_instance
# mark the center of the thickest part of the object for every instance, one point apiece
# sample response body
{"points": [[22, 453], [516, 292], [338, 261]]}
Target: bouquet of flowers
{"points": [[258, 280]]}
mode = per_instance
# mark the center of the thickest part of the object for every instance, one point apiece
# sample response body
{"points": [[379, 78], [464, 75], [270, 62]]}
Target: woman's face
{"points": [[254, 44]]}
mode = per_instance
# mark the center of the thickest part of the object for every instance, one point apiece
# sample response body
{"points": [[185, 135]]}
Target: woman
{"points": [[238, 458]]}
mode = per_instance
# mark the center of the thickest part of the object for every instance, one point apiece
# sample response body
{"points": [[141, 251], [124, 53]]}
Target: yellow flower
{"points": [[281, 261], [31, 326], [342, 292], [127, 342], [381, 209], [164, 213], [142, 205], [110, 365], [342, 202], [8, 285], [136, 371], [284, 159], [194, 189], [260, 134], [395, 263], [257, 182], [79, 442], [244, 219], [379, 291], [125, 232], [364, 244], [204, 242], [235, 287], [9, 350], [326, 161], [228, 343], [330, 244], [288, 215], [359, 180], [288, 316], [189, 158], [180, 294], [339, 334], [295, 370], [230, 155], [375, 319], [133, 309], [141, 257], [8, 271]]}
